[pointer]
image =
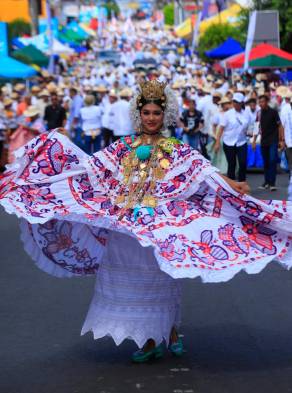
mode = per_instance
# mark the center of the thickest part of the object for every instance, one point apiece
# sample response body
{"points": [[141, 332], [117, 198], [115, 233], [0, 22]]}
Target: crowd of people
{"points": [[89, 98]]}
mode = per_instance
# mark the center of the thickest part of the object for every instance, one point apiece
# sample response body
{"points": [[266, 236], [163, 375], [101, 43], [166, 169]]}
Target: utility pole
{"points": [[50, 36], [178, 12], [34, 11]]}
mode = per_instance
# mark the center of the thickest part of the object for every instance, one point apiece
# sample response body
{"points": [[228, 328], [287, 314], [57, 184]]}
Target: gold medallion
{"points": [[126, 161], [126, 179], [136, 143], [135, 161], [143, 174], [164, 163], [149, 201], [158, 173], [120, 199]]}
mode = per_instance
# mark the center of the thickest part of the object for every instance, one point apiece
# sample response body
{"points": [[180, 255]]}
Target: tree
{"points": [[112, 8], [17, 28], [215, 35], [284, 7], [168, 11]]}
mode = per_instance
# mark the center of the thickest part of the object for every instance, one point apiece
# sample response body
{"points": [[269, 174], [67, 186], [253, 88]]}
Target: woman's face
{"points": [[152, 118]]}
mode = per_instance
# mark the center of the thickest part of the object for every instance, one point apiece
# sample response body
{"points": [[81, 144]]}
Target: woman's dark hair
{"points": [[142, 102]]}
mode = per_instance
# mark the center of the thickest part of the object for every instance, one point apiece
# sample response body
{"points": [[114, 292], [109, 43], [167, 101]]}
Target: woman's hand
{"points": [[217, 146], [240, 187]]}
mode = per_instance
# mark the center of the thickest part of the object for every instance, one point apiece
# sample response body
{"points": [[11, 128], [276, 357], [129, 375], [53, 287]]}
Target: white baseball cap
{"points": [[238, 97]]}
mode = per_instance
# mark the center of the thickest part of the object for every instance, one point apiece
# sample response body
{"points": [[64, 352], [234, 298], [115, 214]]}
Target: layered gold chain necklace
{"points": [[146, 163]]}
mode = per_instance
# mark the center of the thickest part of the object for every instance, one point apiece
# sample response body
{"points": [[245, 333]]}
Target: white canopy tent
{"points": [[41, 41]]}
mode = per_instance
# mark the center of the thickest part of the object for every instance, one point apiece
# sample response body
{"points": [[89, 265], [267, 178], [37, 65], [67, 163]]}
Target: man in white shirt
{"points": [[74, 112], [106, 119], [251, 111], [120, 115], [91, 124], [286, 120], [232, 128]]}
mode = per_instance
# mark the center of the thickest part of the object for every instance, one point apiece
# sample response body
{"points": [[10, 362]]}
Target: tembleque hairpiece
{"points": [[158, 93]]}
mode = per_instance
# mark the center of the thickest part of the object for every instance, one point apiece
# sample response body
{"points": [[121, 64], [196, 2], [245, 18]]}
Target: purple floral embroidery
{"points": [[234, 239], [61, 249], [211, 253], [259, 235]]}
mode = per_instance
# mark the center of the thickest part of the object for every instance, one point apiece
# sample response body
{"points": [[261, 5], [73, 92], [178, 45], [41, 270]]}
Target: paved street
{"points": [[238, 334]]}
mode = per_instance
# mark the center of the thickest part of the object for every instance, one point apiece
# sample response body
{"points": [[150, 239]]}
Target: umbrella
{"points": [[229, 47], [271, 61], [145, 63], [258, 51], [87, 29]]}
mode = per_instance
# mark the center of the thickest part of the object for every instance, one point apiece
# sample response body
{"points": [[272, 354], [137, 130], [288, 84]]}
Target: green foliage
{"points": [[17, 28], [111, 7], [215, 35], [168, 11], [284, 7], [243, 22]]}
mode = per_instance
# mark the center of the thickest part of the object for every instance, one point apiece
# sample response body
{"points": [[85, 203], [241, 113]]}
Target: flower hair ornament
{"points": [[154, 92]]}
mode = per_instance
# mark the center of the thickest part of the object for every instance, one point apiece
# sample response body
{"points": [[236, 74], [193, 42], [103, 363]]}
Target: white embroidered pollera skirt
{"points": [[133, 298]]}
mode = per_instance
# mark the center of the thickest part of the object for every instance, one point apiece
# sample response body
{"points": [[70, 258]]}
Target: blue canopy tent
{"points": [[10, 68], [229, 48]]}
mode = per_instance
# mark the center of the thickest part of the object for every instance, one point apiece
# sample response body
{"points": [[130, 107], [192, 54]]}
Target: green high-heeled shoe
{"points": [[177, 348], [141, 356]]}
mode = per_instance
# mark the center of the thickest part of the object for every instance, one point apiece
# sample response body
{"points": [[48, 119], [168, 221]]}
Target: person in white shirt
{"points": [[120, 116], [74, 113], [251, 111], [91, 125], [106, 118], [286, 120], [233, 127]]}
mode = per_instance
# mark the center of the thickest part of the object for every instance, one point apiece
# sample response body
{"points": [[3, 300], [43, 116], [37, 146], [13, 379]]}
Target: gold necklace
{"points": [[141, 175]]}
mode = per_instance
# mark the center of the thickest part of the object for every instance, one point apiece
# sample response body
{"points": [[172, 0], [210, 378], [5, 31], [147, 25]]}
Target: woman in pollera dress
{"points": [[141, 215]]}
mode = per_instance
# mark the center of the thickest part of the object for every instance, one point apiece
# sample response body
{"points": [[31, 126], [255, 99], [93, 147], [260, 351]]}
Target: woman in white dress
{"points": [[141, 214]]}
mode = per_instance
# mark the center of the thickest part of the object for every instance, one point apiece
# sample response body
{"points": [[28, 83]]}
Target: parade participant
{"points": [[10, 120], [272, 137], [74, 111], [193, 122], [43, 102], [107, 131], [141, 214], [251, 110], [23, 105], [119, 114], [102, 92], [91, 125], [35, 90], [55, 113], [27, 130], [233, 127], [218, 158], [286, 120]]}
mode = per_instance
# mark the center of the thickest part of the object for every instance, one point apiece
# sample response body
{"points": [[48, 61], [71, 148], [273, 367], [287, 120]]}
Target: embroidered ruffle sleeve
{"points": [[200, 227]]}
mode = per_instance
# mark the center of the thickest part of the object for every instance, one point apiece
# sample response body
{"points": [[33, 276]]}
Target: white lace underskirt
{"points": [[133, 298]]}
